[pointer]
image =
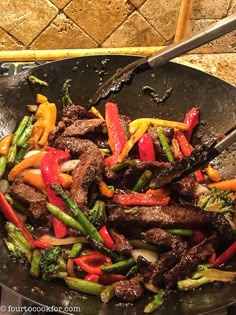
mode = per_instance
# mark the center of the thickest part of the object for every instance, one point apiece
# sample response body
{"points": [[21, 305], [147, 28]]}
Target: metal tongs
{"points": [[161, 57], [195, 161]]}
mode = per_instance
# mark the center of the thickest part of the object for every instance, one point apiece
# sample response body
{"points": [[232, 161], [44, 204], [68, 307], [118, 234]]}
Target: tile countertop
{"points": [[222, 66]]}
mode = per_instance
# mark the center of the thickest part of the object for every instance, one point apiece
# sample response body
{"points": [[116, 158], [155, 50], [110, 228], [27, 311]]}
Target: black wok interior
{"points": [[216, 100]]}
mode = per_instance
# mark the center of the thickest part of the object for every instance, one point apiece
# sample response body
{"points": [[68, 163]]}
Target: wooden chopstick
{"points": [[183, 19]]}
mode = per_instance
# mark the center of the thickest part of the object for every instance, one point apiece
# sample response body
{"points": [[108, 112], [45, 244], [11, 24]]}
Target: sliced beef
{"points": [[163, 238], [33, 202], [189, 261], [160, 154], [110, 176], [122, 245], [185, 187], [129, 290], [175, 216], [56, 132], [88, 171], [124, 121], [82, 127], [76, 146], [74, 112]]}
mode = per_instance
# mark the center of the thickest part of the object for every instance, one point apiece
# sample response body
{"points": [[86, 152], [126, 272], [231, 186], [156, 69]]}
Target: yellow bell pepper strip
{"points": [[212, 173], [116, 137], [176, 150], [37, 132], [66, 180], [40, 99], [50, 120], [229, 184], [105, 190], [140, 131], [96, 112], [26, 163], [156, 122], [5, 144], [10, 215]]}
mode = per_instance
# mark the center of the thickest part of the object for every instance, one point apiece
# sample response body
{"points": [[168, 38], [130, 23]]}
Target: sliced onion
{"points": [[4, 186], [149, 255], [30, 153], [200, 190], [68, 166], [33, 170], [32, 108], [49, 239], [70, 268]]}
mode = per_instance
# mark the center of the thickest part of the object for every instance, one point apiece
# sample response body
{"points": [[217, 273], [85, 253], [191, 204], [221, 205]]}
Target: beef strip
{"points": [[185, 187], [76, 146], [122, 245], [73, 112], [33, 202], [174, 216], [124, 121], [88, 171], [82, 127], [189, 261], [56, 132], [129, 290], [110, 176], [160, 154]]}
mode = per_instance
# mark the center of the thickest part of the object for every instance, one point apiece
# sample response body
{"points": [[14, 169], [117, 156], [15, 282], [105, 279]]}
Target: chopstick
{"points": [[183, 20]]}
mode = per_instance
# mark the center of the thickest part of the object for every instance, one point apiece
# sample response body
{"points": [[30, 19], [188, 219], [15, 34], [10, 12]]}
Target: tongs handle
{"points": [[227, 140], [214, 31]]}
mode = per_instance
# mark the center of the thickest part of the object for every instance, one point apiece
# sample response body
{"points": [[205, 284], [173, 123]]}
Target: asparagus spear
{"points": [[105, 251], [132, 272], [36, 80], [165, 144], [181, 232], [35, 267], [84, 286], [108, 293], [155, 303], [142, 181], [12, 154], [20, 155], [13, 230], [65, 218], [75, 250], [142, 244], [3, 164], [87, 226], [20, 129], [26, 133], [119, 267]]}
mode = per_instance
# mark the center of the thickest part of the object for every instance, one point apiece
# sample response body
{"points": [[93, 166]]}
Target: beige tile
{"points": [[135, 31], [210, 9], [224, 44], [232, 8], [60, 3], [98, 18], [25, 19], [8, 43], [137, 3], [162, 14], [63, 33]]}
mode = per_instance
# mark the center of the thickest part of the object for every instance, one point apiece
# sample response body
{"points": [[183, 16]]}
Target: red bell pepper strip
{"points": [[146, 149], [197, 237], [51, 175], [116, 137], [108, 241], [40, 244], [108, 279], [10, 215], [93, 262], [226, 255], [212, 259], [140, 199], [92, 277], [191, 119], [187, 150]]}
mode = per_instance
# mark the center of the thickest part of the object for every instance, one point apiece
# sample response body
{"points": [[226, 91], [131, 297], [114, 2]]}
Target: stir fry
{"points": [[81, 203]]}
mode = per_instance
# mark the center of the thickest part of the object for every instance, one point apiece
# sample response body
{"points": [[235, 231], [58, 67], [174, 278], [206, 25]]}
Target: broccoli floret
{"points": [[204, 275], [97, 215], [17, 244], [216, 200], [53, 264]]}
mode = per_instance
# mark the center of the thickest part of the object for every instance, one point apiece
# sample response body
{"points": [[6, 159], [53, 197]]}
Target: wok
{"points": [[216, 100]]}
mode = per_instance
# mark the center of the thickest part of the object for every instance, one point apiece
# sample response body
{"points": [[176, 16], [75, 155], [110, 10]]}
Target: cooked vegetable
{"points": [[191, 119], [105, 190], [140, 199], [155, 303], [165, 144], [97, 215], [66, 100], [11, 155], [93, 262], [226, 255], [91, 277], [5, 144], [108, 293], [142, 181], [49, 239], [149, 255], [212, 173], [229, 184], [26, 133], [16, 243], [3, 164], [22, 152], [53, 263], [87, 227], [36, 80], [19, 131], [216, 200], [84, 286], [119, 267], [75, 250], [146, 149], [107, 240], [4, 185], [96, 112], [35, 263], [181, 232]]}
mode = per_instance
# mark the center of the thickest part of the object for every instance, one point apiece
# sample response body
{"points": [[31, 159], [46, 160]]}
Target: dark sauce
{"points": [[149, 91]]}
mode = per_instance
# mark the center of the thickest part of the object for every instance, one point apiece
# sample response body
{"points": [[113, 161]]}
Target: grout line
{"points": [[12, 36]]}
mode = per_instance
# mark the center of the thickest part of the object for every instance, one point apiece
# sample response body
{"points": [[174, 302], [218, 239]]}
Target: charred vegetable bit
{"points": [[36, 80], [35, 263], [53, 263], [155, 303], [66, 100], [16, 243], [216, 200]]}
